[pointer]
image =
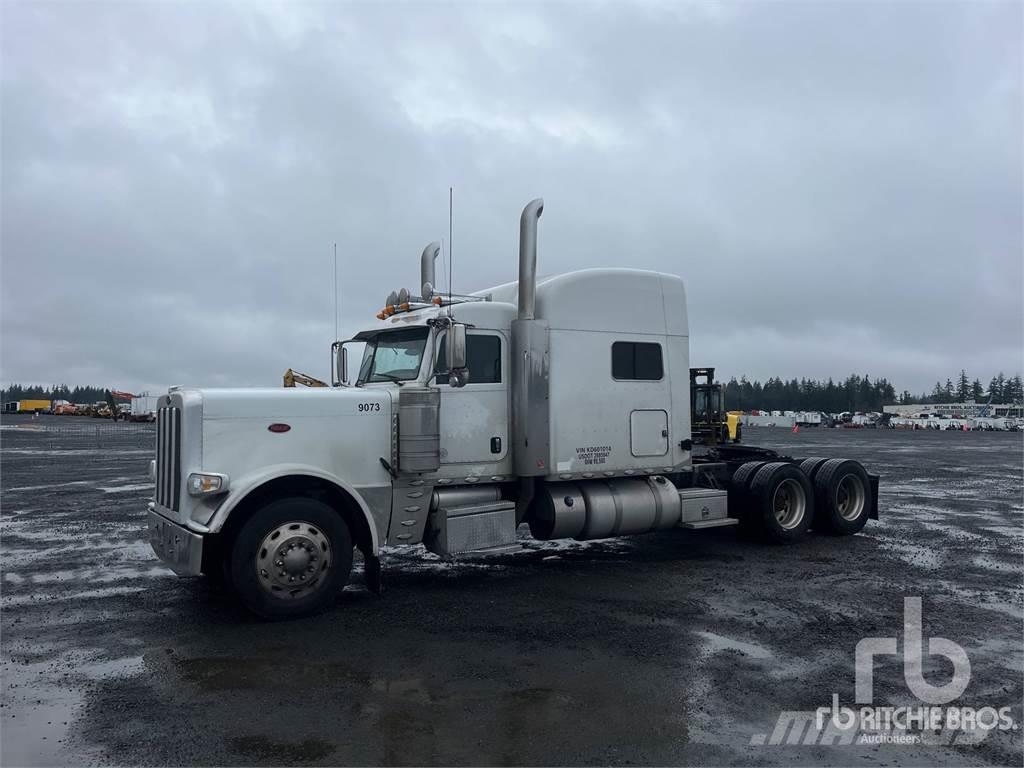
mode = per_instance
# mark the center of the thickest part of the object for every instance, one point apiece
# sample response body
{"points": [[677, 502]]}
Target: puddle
{"points": [[47, 487], [718, 643], [37, 713], [92, 575], [89, 594], [126, 488], [107, 451], [33, 734], [103, 670]]}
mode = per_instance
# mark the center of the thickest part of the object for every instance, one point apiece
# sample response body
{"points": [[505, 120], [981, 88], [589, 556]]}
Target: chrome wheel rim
{"points": [[293, 559], [850, 497], [789, 504]]}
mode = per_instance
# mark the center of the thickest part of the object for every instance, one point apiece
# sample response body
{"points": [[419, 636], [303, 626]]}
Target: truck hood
{"points": [[275, 403]]}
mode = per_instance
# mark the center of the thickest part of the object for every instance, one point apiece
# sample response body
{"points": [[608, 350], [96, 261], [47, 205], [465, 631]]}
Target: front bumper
{"points": [[179, 548]]}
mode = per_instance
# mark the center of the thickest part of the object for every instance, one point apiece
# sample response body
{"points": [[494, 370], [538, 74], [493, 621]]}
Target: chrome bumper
{"points": [[179, 548]]}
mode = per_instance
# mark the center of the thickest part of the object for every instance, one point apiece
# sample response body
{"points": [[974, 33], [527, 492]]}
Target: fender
{"points": [[246, 485]]}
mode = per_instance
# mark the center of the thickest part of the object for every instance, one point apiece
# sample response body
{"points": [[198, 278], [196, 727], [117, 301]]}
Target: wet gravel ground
{"points": [[674, 648]]}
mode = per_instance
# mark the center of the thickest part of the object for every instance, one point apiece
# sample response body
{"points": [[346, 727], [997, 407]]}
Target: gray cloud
{"points": [[839, 184]]}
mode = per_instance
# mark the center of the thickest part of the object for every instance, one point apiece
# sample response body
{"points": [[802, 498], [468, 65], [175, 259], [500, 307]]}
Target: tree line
{"points": [[861, 393], [854, 393], [56, 392]]}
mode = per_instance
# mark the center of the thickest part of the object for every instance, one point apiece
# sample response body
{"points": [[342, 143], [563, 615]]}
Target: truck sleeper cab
{"points": [[562, 403]]}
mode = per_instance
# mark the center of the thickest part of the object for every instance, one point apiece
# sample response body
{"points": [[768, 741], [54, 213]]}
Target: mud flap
{"points": [[371, 569], [873, 514]]}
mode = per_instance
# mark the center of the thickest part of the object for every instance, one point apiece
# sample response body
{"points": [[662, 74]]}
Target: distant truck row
{"points": [[141, 408]]}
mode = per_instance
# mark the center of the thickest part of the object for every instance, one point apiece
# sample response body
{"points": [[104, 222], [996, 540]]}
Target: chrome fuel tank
{"points": [[598, 509]]}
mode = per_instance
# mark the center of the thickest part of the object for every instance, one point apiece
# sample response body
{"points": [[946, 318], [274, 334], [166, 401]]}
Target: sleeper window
{"points": [[636, 361], [483, 358]]}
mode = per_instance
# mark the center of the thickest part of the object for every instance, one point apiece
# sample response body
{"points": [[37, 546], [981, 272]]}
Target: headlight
{"points": [[206, 483]]}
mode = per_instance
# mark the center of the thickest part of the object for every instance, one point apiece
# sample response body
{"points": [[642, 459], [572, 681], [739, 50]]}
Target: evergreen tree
{"points": [[1015, 394], [977, 391], [995, 388], [963, 387]]}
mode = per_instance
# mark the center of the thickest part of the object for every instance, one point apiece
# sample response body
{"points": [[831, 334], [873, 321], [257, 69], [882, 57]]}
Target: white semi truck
{"points": [[562, 403]]}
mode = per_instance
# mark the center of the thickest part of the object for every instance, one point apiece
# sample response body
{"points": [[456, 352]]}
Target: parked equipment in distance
{"points": [[562, 403], [711, 424]]}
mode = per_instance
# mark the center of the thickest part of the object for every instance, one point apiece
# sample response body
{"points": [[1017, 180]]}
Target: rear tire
{"points": [[782, 500], [739, 492], [291, 558], [810, 468], [843, 497]]}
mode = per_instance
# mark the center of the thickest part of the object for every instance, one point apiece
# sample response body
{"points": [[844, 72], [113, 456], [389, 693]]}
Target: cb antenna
{"points": [[451, 257], [335, 291]]}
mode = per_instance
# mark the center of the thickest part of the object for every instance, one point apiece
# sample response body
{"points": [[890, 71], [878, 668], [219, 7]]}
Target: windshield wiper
{"points": [[391, 377]]}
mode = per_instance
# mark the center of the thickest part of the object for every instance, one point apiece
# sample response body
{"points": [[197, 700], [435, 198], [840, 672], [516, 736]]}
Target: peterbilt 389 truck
{"points": [[561, 403]]}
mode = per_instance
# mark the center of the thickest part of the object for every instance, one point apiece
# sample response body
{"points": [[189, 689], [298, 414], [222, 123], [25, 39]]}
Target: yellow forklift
{"points": [[710, 423]]}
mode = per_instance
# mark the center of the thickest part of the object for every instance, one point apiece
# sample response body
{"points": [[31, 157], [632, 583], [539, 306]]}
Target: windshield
{"points": [[393, 355]]}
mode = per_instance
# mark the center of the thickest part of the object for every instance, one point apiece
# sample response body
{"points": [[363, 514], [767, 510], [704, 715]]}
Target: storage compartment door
{"points": [[648, 433]]}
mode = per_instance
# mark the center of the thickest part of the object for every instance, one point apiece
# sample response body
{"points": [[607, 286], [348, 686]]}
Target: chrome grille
{"points": [[168, 457]]}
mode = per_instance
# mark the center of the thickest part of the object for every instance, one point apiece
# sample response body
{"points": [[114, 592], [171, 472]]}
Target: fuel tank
{"points": [[598, 509]]}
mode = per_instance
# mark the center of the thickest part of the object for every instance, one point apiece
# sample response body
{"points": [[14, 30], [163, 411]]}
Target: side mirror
{"points": [[457, 346], [458, 374], [339, 375]]}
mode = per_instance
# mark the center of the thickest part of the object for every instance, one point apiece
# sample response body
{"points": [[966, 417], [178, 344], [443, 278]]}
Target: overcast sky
{"points": [[840, 184]]}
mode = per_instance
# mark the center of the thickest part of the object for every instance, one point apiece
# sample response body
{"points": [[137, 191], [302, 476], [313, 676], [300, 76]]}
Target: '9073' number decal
{"points": [[363, 407]]}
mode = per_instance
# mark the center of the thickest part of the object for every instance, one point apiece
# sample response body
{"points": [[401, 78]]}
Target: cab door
{"points": [[474, 418]]}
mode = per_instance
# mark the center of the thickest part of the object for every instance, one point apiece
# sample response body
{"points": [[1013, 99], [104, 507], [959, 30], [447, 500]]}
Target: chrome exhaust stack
{"points": [[428, 280], [528, 258], [530, 364]]}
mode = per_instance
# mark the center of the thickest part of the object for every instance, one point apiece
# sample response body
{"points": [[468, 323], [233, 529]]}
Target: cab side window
{"points": [[636, 361], [483, 356]]}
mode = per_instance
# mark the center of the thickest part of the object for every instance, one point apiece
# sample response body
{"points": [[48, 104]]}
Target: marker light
{"points": [[381, 315], [437, 300], [203, 483], [405, 307]]}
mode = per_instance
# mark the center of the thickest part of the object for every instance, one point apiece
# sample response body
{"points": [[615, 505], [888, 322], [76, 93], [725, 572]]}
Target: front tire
{"points": [[291, 558]]}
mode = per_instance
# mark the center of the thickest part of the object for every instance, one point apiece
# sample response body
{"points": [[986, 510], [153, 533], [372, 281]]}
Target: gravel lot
{"points": [[674, 648]]}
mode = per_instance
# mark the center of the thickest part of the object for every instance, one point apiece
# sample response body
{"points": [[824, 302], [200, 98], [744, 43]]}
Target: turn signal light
{"points": [[437, 300], [201, 483], [381, 315]]}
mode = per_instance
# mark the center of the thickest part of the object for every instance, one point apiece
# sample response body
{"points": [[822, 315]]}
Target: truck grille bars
{"points": [[168, 457]]}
